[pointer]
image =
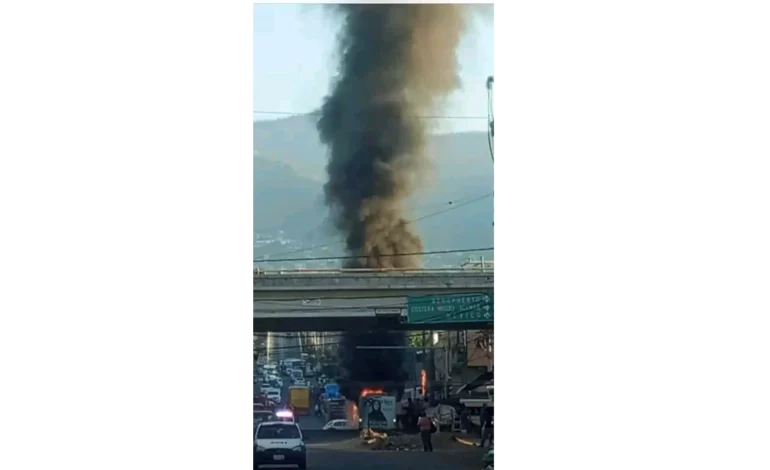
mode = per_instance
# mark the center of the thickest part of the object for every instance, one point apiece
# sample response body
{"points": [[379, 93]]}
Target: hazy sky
{"points": [[294, 61]]}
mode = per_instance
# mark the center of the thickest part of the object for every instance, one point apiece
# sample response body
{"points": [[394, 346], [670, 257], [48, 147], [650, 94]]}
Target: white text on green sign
{"points": [[455, 308]]}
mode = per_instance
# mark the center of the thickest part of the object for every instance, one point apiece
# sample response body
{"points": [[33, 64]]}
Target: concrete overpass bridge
{"points": [[345, 299], [367, 283]]}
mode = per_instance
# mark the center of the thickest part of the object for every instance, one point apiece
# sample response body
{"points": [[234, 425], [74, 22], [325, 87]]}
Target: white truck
{"points": [[475, 404]]}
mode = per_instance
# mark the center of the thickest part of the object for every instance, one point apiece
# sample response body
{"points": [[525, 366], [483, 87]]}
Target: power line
{"points": [[317, 113], [291, 336], [320, 345], [457, 204], [445, 204], [421, 253], [343, 334], [424, 217]]}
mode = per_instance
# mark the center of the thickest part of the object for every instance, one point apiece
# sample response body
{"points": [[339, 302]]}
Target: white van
{"points": [[277, 443]]}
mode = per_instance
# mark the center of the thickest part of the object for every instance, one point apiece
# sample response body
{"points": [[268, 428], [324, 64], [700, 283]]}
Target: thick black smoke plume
{"points": [[398, 62], [371, 368]]}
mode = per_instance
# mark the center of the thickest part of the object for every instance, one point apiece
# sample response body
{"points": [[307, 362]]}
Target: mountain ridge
{"points": [[289, 173]]}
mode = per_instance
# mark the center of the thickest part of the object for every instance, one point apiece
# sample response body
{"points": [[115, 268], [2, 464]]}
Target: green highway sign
{"points": [[453, 308]]}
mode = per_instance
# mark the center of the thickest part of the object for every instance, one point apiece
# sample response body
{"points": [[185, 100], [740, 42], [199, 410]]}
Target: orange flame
{"points": [[423, 382], [371, 391], [351, 414]]}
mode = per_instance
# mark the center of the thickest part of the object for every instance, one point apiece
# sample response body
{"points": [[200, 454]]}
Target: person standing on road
{"points": [[488, 421], [426, 429], [409, 416]]}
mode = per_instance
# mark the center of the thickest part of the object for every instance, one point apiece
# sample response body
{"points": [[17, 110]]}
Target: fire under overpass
{"points": [[350, 299]]}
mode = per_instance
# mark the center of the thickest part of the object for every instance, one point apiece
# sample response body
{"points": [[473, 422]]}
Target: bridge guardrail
{"points": [[282, 272]]}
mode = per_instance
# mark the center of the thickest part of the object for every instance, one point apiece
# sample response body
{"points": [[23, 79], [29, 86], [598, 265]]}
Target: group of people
{"points": [[487, 422], [411, 417], [408, 414]]}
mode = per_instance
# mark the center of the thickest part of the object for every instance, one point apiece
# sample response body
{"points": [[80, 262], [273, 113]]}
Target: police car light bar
{"points": [[284, 414]]}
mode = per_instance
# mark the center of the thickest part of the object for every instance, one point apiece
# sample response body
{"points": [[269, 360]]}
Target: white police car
{"points": [[279, 443]]}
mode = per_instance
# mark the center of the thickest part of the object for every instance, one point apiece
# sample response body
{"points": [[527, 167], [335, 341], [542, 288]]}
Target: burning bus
{"points": [[376, 410]]}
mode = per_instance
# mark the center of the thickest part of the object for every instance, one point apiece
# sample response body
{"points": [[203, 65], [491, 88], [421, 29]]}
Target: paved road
{"points": [[328, 451], [330, 459]]}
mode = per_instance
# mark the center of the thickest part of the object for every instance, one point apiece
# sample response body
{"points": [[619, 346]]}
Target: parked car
{"points": [[273, 395], [338, 425], [275, 379], [261, 416]]}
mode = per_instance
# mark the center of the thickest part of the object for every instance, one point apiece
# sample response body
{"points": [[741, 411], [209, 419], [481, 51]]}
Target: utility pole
{"points": [[492, 134], [431, 364], [448, 364], [490, 117]]}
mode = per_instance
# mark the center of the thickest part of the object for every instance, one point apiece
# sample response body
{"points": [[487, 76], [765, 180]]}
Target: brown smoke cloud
{"points": [[398, 62]]}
